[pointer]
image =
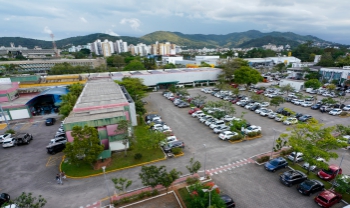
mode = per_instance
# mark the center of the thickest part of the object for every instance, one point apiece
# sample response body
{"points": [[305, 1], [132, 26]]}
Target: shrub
{"points": [[136, 197], [258, 133], [252, 134], [177, 150], [137, 156], [286, 152], [237, 137], [192, 180], [10, 131], [263, 159], [343, 113]]}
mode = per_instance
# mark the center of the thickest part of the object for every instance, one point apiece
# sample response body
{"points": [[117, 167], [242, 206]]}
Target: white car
{"points": [[210, 121], [196, 113], [313, 167], [249, 106], [205, 118], [260, 110], [279, 117], [266, 112], [159, 127], [228, 118], [347, 91], [168, 139], [335, 112], [306, 104], [298, 102], [226, 135], [264, 104], [272, 115], [221, 128], [327, 94], [10, 142], [346, 108], [216, 124], [290, 121], [252, 129], [299, 156], [4, 136]]}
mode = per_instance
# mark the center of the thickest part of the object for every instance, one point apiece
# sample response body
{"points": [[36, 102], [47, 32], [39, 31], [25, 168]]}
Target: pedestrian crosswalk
{"points": [[228, 167]]}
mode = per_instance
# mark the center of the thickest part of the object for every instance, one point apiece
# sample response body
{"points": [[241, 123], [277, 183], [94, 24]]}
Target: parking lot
{"points": [[243, 183]]}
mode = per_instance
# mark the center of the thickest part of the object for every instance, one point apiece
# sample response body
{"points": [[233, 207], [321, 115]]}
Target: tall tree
{"points": [[194, 166], [85, 147], [26, 200], [121, 184], [69, 100], [276, 101], [124, 126], [313, 83], [287, 88], [134, 65], [247, 75], [230, 66]]}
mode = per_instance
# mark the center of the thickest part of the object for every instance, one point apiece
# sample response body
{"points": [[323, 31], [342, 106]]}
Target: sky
{"points": [[326, 19]]}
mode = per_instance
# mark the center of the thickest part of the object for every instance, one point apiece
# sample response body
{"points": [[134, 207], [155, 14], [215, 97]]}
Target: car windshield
{"points": [[274, 162], [307, 185], [328, 171], [322, 199]]}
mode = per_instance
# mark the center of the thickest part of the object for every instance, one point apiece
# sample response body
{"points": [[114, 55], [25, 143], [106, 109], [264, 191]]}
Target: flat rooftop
{"points": [[100, 92]]}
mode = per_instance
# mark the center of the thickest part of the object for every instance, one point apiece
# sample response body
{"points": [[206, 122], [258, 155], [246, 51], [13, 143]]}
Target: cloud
{"points": [[47, 30], [133, 23], [7, 18], [111, 32], [83, 19]]}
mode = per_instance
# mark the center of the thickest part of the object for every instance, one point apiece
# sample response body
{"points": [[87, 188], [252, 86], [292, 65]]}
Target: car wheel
{"points": [[274, 170], [285, 166], [289, 184], [53, 152]]}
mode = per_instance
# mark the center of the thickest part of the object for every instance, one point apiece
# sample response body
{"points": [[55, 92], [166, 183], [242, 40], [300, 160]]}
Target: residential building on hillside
{"points": [[163, 48], [120, 46]]}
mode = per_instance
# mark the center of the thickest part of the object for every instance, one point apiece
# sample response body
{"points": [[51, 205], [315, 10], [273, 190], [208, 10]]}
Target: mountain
{"points": [[251, 38]]}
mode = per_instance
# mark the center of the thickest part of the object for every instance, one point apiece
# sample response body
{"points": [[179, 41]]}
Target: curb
{"points": [[179, 155], [110, 171], [237, 141], [252, 138], [247, 139]]}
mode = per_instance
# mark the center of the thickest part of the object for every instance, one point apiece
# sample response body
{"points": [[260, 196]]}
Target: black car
{"points": [[298, 115], [50, 121], [23, 138], [276, 164], [304, 118], [280, 110], [168, 147], [55, 148], [228, 201], [254, 107], [4, 198], [310, 186], [292, 177], [338, 106], [316, 106], [288, 99]]}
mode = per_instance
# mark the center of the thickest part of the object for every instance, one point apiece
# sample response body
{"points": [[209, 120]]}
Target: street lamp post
{"points": [[337, 171], [205, 160], [210, 190], [104, 173], [273, 142]]}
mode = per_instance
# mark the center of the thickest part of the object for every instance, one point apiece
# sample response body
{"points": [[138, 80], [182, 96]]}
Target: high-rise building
{"points": [[106, 48], [163, 48], [120, 46]]}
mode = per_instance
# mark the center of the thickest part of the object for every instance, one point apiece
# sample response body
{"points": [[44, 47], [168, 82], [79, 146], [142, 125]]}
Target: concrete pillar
{"points": [[207, 83], [194, 84]]}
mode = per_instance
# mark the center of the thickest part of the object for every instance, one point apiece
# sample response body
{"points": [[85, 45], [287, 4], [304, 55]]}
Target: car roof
{"points": [[8, 139], [333, 167], [327, 194]]}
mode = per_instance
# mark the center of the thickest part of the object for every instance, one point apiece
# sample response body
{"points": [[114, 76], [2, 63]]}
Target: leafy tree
{"points": [[169, 66], [230, 66], [85, 51], [331, 87], [281, 67], [258, 97], [182, 91], [153, 176], [276, 101], [149, 63], [69, 100], [326, 60], [328, 101], [247, 75], [343, 99], [134, 65], [343, 184], [26, 200], [313, 83], [123, 127], [199, 198], [312, 75], [121, 184], [86, 146], [194, 166], [280, 142], [287, 88], [204, 64], [152, 139]]}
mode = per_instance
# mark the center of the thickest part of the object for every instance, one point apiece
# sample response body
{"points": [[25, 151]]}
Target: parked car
{"points": [[346, 108], [4, 198], [10, 142], [313, 167], [227, 200], [226, 135], [55, 148], [193, 109], [328, 198], [58, 140], [252, 129], [50, 121], [292, 177], [306, 104], [175, 144], [276, 164], [210, 121], [216, 123], [221, 128], [305, 118], [316, 106], [168, 139], [335, 112], [265, 104], [5, 136], [310, 186], [203, 119], [299, 156], [150, 116], [272, 115], [279, 117], [290, 121], [23, 138], [329, 173], [255, 107], [195, 114], [266, 112], [183, 105], [258, 111], [228, 118]]}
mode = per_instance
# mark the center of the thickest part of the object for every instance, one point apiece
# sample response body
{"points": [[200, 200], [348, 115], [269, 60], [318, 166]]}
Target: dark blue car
{"points": [[276, 164]]}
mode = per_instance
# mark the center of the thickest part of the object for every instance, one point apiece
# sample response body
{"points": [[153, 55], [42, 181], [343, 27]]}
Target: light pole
{"points": [[210, 190], [104, 173], [273, 142], [342, 157], [205, 160]]}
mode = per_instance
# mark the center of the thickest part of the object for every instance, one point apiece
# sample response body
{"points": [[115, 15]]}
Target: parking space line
{"points": [[25, 126], [52, 160]]}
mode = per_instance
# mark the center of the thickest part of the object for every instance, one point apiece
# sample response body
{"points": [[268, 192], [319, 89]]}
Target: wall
{"points": [[298, 85]]}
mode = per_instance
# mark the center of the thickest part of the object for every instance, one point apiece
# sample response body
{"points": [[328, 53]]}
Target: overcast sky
{"points": [[326, 19]]}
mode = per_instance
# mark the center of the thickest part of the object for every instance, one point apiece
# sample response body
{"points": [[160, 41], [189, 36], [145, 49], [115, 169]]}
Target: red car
{"points": [[328, 198], [192, 110], [260, 92], [330, 173], [235, 100]]}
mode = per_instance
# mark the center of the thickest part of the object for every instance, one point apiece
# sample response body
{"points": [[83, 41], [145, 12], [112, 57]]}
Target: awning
{"points": [[164, 83], [200, 81]]}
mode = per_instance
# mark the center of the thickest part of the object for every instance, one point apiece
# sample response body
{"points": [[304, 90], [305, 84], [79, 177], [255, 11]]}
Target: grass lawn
{"points": [[312, 175], [184, 195], [118, 159]]}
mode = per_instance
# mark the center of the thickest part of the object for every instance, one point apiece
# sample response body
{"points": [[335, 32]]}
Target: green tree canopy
{"points": [[276, 101], [69, 100], [287, 88], [26, 200], [86, 146], [230, 66], [153, 176], [313, 83], [134, 65], [247, 75]]}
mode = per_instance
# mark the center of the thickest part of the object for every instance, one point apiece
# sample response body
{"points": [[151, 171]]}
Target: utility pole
{"points": [[3, 114]]}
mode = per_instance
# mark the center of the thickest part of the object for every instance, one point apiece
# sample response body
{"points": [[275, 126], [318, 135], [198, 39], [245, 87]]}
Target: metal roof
{"points": [[50, 91]]}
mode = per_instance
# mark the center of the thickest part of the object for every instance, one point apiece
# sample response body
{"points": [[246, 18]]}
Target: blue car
{"points": [[276, 164]]}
